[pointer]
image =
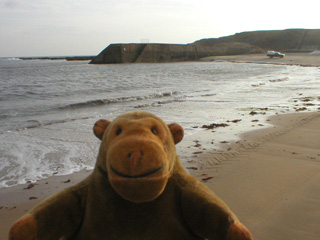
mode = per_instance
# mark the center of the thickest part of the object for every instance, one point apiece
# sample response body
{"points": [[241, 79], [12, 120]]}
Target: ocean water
{"points": [[48, 108]]}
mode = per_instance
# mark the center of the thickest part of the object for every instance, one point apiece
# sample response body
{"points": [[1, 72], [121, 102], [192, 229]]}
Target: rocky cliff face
{"points": [[154, 53]]}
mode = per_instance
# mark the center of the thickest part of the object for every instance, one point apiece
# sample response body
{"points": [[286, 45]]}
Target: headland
{"points": [[288, 41]]}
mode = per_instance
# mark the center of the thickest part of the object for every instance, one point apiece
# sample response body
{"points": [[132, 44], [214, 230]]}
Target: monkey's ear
{"points": [[176, 131], [99, 127]]}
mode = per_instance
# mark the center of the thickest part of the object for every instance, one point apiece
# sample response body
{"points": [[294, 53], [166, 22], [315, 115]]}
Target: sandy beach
{"points": [[300, 59], [270, 178]]}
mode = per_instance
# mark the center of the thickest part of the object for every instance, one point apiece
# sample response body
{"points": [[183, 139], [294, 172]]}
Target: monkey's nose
{"points": [[134, 157]]}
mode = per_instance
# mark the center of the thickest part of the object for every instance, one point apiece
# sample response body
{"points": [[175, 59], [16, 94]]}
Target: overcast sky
{"points": [[86, 27]]}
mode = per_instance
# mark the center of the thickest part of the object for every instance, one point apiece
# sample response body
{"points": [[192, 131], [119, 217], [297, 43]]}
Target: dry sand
{"points": [[270, 179], [300, 59]]}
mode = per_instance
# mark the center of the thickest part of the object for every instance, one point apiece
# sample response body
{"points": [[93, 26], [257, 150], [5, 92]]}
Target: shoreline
{"points": [[303, 59], [292, 59], [256, 176]]}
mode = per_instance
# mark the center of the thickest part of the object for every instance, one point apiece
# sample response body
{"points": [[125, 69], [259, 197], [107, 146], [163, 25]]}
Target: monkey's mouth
{"points": [[136, 176]]}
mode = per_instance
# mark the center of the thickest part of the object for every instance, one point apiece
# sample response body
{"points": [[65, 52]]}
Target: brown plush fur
{"points": [[138, 190]]}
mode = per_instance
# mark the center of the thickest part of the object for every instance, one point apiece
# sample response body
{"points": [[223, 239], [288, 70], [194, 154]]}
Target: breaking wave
{"points": [[106, 101]]}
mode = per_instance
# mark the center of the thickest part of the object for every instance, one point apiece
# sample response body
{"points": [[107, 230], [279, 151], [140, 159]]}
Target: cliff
{"points": [[280, 40], [153, 53]]}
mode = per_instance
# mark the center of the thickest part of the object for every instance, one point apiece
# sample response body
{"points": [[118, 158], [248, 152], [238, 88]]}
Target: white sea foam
{"points": [[27, 157]]}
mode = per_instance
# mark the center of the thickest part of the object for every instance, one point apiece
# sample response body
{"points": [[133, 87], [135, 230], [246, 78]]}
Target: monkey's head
{"points": [[138, 154]]}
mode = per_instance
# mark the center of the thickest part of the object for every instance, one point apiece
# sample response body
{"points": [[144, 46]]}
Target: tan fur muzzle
{"points": [[138, 169]]}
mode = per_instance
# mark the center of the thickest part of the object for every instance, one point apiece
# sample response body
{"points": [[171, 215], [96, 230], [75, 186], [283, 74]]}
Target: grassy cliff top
{"points": [[281, 40]]}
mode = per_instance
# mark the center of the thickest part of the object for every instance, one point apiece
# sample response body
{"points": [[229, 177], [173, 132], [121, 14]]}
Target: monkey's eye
{"points": [[154, 131], [119, 131]]}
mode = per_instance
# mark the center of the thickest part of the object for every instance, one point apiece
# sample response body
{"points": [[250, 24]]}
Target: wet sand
{"points": [[270, 179]]}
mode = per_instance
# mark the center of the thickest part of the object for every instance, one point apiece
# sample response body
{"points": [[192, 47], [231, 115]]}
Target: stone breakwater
{"points": [[155, 53], [73, 58]]}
